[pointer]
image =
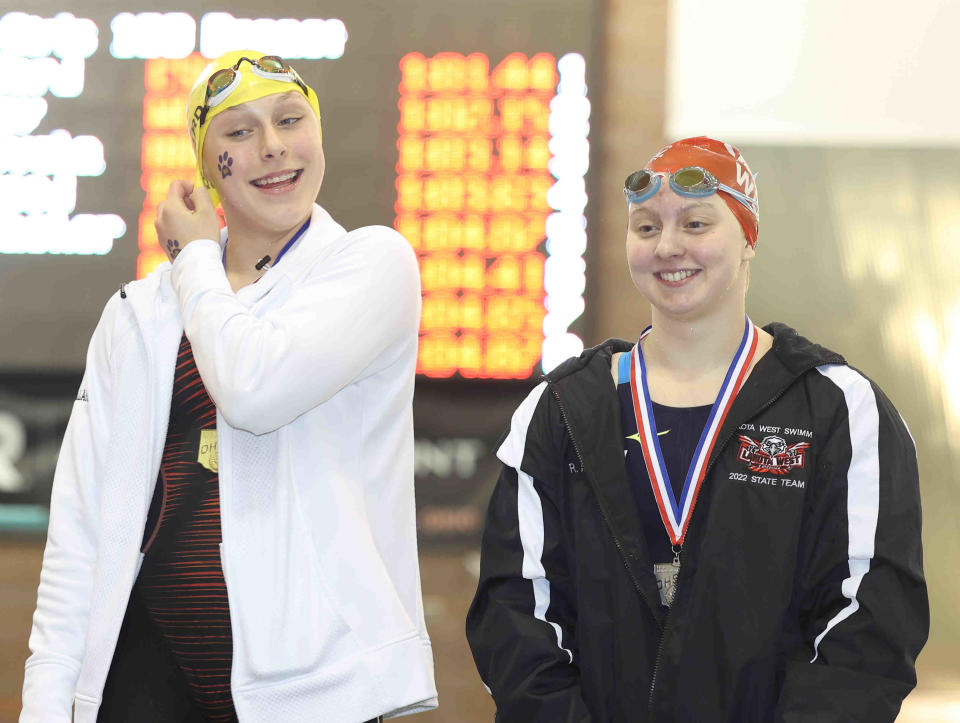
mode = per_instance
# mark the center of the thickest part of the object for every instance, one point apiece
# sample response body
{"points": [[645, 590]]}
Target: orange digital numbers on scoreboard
{"points": [[472, 180], [165, 153]]}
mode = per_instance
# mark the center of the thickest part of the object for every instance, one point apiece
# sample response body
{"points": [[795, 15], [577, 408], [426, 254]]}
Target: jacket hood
{"points": [[798, 353], [795, 353]]}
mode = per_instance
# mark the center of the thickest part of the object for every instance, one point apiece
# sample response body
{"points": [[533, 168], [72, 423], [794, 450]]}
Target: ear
{"points": [[748, 251]]}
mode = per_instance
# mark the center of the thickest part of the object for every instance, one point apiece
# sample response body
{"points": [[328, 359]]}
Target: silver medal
{"points": [[666, 573]]}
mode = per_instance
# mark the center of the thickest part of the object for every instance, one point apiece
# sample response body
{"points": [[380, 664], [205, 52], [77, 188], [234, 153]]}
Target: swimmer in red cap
{"points": [[730, 531]]}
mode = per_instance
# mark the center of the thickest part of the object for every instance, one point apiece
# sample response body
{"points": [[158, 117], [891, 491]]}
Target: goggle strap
{"points": [[743, 198]]}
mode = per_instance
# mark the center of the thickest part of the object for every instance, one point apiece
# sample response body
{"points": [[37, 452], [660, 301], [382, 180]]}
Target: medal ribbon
{"points": [[676, 513]]}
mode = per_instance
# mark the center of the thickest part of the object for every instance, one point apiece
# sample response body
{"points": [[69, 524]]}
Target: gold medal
{"points": [[207, 454]]}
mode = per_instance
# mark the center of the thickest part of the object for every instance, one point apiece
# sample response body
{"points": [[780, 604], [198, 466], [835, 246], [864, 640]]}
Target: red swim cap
{"points": [[723, 161]]}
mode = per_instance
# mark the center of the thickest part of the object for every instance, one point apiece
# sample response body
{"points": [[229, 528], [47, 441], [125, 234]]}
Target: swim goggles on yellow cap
{"points": [[222, 83], [692, 181], [227, 83]]}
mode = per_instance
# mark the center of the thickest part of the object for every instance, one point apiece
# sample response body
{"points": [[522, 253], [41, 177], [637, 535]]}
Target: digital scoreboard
{"points": [[475, 192]]}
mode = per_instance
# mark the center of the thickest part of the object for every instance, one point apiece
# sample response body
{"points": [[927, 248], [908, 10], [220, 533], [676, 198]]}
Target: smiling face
{"points": [[687, 256], [265, 159]]}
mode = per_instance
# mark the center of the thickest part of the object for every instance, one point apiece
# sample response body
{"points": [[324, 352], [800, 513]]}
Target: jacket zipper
{"points": [[603, 514], [223, 506], [153, 472], [676, 592]]}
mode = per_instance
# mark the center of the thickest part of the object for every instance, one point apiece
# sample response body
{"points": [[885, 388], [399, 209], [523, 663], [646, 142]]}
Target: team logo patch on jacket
{"points": [[771, 454]]}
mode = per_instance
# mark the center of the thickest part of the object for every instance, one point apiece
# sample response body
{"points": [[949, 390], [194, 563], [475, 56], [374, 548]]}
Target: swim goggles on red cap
{"points": [[222, 83], [692, 181]]}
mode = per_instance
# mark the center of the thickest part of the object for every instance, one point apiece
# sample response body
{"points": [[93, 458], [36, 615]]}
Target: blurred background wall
{"points": [[842, 111]]}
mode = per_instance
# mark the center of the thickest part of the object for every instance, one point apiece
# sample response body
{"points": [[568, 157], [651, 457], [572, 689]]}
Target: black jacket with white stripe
{"points": [[801, 594]]}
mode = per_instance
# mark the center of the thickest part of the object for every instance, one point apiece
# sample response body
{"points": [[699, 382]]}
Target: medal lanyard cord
{"points": [[286, 246], [676, 514]]}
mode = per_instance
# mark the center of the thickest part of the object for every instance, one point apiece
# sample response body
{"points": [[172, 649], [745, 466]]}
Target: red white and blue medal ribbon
{"points": [[676, 513]]}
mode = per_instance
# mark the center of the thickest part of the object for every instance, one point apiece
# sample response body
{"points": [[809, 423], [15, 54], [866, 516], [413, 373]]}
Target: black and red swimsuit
{"points": [[181, 583]]}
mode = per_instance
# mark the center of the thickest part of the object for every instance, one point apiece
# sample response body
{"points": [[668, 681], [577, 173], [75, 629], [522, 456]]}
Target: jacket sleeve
{"points": [[58, 636], [335, 327], [521, 625], [863, 608]]}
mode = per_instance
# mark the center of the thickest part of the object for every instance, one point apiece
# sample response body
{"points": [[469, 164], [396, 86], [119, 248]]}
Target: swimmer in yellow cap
{"points": [[258, 390], [255, 128]]}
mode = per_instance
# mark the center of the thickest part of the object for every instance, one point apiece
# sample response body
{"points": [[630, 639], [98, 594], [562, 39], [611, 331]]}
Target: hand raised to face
{"points": [[186, 215]]}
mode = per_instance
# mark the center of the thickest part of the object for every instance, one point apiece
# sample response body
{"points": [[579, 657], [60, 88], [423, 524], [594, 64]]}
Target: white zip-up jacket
{"points": [[312, 371]]}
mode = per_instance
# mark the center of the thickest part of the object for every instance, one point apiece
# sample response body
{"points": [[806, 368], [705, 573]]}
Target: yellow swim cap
{"points": [[251, 83]]}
